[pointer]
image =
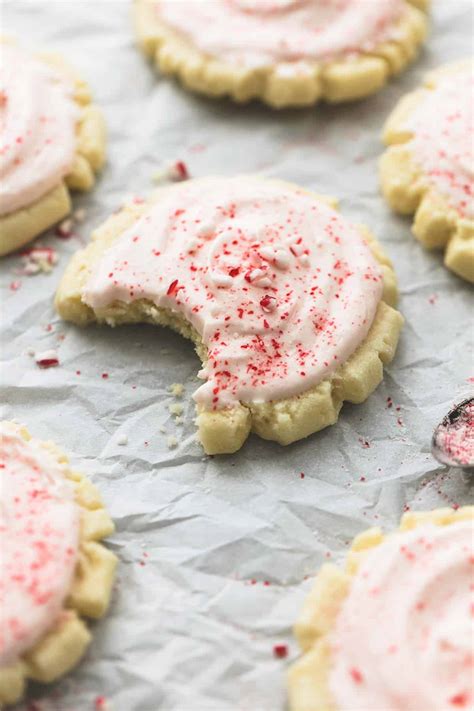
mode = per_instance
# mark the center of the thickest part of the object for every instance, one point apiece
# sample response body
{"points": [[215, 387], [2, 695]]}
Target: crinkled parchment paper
{"points": [[215, 553]]}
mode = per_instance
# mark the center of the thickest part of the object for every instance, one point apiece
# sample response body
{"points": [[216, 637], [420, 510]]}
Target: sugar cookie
{"points": [[289, 305], [52, 140], [428, 167], [285, 52], [394, 630], [53, 568]]}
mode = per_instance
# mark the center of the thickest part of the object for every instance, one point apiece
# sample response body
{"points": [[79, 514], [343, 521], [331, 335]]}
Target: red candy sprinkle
{"points": [[356, 675], [280, 651], [459, 700]]}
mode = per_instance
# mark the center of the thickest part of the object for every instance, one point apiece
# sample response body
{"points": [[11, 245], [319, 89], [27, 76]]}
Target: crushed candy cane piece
{"points": [[47, 359], [38, 259], [178, 171], [64, 229]]}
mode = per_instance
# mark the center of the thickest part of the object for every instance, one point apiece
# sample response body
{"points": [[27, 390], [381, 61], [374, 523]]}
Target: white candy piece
{"points": [[223, 280]]}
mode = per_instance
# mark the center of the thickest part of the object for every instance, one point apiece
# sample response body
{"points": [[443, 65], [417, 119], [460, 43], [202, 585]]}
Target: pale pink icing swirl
{"points": [[403, 638], [443, 137], [280, 287], [38, 118], [39, 525], [263, 32]]}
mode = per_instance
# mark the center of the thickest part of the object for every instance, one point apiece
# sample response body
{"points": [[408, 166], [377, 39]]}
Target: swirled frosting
{"points": [[443, 137], [280, 288], [265, 32], [38, 119], [403, 638], [39, 525]]}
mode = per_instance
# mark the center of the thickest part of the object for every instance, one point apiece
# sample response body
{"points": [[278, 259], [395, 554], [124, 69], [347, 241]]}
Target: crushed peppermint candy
{"points": [[64, 229], [175, 172], [37, 259], [47, 359]]}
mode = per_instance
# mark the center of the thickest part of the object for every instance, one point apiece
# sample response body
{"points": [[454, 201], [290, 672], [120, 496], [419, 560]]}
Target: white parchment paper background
{"points": [[187, 630]]}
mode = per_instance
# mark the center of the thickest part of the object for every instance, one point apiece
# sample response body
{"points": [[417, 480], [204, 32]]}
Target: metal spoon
{"points": [[453, 439]]}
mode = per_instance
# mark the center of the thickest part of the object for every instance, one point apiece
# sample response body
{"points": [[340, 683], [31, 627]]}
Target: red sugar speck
{"points": [[459, 700], [100, 703], [365, 443], [104, 376], [15, 285], [356, 675], [301, 475], [280, 651]]}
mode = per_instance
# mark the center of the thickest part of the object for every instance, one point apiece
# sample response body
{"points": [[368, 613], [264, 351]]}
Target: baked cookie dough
{"points": [[289, 305], [428, 167], [53, 568], [52, 141], [284, 52], [394, 630]]}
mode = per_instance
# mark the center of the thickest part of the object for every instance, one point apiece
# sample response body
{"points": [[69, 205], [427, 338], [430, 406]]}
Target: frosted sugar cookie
{"points": [[52, 140], [394, 630], [53, 569], [428, 168], [289, 305], [285, 52]]}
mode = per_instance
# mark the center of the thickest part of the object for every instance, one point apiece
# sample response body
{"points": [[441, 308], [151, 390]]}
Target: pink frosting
{"points": [[443, 138], [38, 119], [281, 289], [262, 32], [39, 524], [403, 638]]}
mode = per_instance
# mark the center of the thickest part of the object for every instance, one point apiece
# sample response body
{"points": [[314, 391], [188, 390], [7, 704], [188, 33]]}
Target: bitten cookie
{"points": [[394, 630], [428, 167], [53, 568], [285, 52], [289, 305], [52, 141]]}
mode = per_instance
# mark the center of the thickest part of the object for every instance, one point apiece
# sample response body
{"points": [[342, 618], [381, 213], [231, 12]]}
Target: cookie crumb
{"points": [[177, 389], [80, 214], [172, 442], [176, 409]]}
